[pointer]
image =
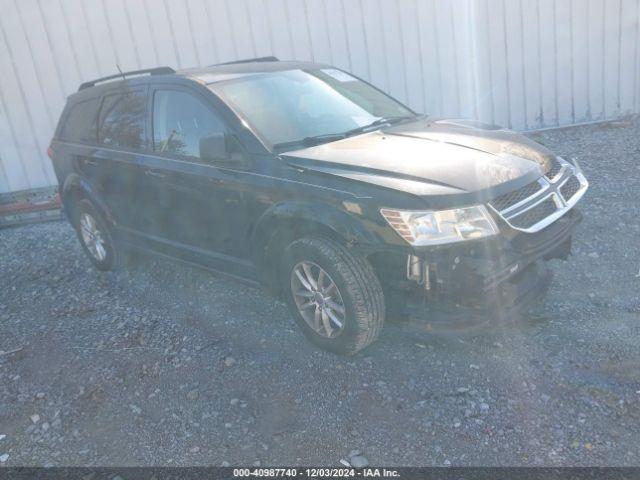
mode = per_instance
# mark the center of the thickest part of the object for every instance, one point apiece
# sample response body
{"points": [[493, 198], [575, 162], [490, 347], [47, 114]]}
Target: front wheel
{"points": [[334, 295]]}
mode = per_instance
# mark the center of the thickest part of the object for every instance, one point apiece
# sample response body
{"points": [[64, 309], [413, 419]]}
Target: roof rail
{"points": [[249, 60], [150, 71]]}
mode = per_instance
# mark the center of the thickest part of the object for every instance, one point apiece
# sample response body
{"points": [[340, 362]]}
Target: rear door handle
{"points": [[153, 173], [93, 163]]}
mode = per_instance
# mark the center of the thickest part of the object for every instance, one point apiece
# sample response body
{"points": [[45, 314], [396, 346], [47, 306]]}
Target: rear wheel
{"points": [[95, 237], [333, 294]]}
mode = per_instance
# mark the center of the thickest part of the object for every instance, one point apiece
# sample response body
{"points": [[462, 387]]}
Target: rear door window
{"points": [[80, 125], [180, 120], [123, 120]]}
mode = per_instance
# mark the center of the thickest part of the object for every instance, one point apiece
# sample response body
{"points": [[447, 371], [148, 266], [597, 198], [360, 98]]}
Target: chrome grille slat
{"points": [[538, 204], [535, 214], [528, 204], [511, 199]]}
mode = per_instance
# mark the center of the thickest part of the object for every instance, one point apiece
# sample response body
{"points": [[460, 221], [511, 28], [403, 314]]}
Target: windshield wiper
{"points": [[332, 137], [378, 122], [311, 141]]}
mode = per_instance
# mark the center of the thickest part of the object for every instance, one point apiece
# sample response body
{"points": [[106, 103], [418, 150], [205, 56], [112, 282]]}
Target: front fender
{"points": [[285, 222], [305, 217]]}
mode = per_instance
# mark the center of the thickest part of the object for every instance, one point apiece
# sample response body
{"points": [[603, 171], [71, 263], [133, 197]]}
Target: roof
{"points": [[216, 73], [206, 75]]}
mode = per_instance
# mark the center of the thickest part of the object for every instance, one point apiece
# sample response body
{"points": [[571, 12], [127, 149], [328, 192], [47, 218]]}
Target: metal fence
{"points": [[525, 64]]}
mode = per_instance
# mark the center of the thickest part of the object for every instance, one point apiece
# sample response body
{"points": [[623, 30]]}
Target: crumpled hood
{"points": [[428, 157]]}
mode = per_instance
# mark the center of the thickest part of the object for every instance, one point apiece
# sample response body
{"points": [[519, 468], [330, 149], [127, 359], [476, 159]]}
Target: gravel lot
{"points": [[162, 364]]}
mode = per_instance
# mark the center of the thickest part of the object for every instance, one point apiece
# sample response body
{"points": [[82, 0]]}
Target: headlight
{"points": [[441, 226]]}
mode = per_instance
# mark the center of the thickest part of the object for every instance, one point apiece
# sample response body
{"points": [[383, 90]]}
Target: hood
{"points": [[431, 157]]}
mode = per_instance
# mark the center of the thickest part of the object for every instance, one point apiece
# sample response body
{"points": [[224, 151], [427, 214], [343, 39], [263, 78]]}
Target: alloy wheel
{"points": [[318, 299], [92, 237]]}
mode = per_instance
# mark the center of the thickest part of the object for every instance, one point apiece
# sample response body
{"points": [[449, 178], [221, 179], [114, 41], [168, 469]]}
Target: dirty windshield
{"points": [[288, 106]]}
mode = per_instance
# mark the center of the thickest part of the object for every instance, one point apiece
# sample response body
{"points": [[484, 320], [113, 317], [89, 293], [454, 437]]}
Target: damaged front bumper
{"points": [[505, 272]]}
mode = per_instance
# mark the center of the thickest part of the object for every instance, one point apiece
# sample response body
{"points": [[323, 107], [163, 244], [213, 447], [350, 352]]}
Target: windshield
{"points": [[291, 105]]}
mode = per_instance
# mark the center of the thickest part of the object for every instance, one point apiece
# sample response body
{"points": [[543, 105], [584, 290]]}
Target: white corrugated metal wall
{"points": [[525, 64]]}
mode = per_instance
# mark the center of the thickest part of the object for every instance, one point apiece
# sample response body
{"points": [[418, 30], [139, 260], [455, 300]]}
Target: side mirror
{"points": [[214, 147], [221, 147]]}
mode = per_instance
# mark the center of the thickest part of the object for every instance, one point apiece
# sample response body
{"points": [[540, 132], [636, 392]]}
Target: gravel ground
{"points": [[163, 364]]}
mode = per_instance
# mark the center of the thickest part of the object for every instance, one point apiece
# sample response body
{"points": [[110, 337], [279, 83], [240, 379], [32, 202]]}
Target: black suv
{"points": [[319, 186]]}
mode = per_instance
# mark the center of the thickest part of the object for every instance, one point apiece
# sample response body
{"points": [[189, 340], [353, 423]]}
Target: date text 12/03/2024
{"points": [[315, 472]]}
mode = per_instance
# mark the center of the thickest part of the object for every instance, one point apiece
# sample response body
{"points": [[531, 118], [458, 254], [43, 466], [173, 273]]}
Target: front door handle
{"points": [[93, 163], [153, 173]]}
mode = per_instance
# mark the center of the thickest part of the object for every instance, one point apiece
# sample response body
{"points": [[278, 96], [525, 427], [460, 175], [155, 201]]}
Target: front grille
{"points": [[553, 172], [509, 199], [570, 188], [552, 195], [535, 215]]}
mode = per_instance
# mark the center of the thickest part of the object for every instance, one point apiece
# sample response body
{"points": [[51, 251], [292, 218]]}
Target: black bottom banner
{"points": [[405, 473]]}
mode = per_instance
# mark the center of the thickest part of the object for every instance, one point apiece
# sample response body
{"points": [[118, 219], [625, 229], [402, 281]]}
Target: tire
{"points": [[356, 289], [106, 257]]}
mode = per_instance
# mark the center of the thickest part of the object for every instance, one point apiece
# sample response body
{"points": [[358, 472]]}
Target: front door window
{"points": [[180, 121]]}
